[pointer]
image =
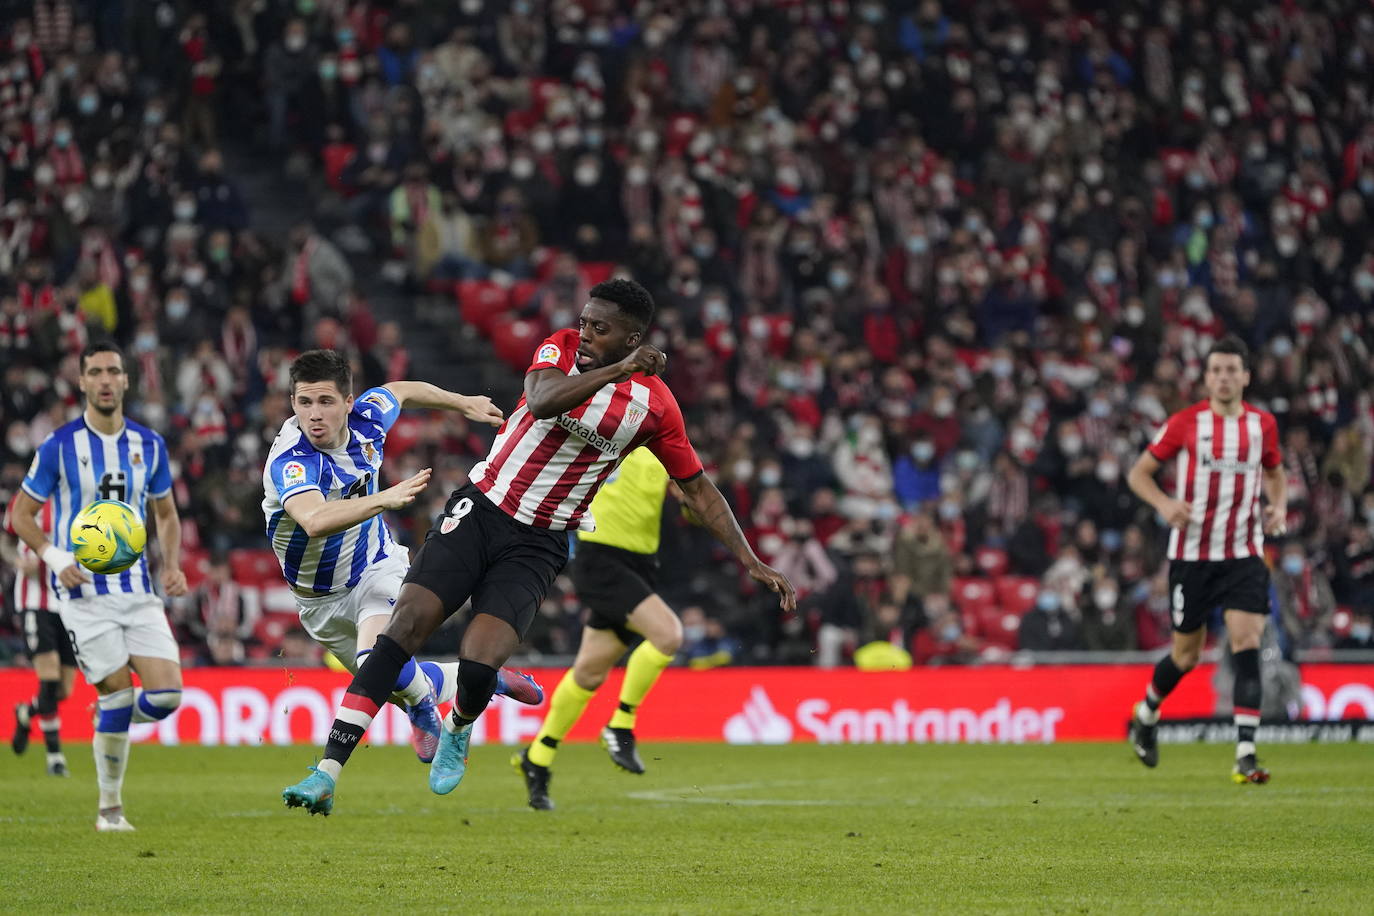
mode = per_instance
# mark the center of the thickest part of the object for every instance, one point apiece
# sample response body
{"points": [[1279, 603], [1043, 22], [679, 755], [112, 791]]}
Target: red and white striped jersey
{"points": [[32, 592], [545, 472], [1217, 472]]}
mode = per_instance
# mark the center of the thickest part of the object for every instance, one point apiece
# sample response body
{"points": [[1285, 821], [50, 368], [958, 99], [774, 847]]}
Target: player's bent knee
{"points": [[159, 704], [588, 678]]}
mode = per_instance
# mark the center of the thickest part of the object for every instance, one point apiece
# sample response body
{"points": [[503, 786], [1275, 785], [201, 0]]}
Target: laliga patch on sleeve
{"points": [[549, 353], [378, 399], [293, 472], [33, 467]]}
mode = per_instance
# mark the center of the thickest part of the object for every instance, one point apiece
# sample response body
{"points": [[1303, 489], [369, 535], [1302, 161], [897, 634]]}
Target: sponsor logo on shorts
{"points": [[549, 353]]}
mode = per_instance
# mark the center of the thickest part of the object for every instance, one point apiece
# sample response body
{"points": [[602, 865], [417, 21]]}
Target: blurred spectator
{"points": [[1049, 626], [921, 564], [1361, 634], [1305, 599], [704, 642], [942, 640]]}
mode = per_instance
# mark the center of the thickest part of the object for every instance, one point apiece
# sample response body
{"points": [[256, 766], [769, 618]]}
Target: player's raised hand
{"points": [[1176, 512], [479, 407], [1275, 520], [647, 359], [174, 583], [404, 493], [776, 582]]}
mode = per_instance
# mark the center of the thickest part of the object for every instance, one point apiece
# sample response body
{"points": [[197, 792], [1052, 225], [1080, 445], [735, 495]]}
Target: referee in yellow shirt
{"points": [[614, 571]]}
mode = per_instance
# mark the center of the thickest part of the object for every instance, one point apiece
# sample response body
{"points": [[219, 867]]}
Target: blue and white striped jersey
{"points": [[76, 465], [294, 465]]}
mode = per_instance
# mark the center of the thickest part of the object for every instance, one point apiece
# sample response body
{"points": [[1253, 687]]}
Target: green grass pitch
{"points": [[1076, 828]]}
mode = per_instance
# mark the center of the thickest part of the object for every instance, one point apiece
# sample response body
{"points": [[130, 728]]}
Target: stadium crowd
{"points": [[930, 275]]}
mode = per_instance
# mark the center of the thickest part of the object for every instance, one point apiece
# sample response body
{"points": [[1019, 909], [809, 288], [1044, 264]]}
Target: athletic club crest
{"points": [[448, 524], [634, 415]]}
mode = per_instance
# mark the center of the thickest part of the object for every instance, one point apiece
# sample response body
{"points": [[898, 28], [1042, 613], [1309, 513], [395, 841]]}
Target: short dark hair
{"points": [[101, 346], [322, 366], [1230, 345], [634, 300]]}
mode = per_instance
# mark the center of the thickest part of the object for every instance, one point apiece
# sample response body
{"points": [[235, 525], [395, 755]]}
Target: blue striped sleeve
{"points": [[377, 406], [294, 473], [41, 479]]}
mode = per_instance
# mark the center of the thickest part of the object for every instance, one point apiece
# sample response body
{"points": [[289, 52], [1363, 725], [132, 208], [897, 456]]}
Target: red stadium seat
{"points": [[514, 342], [991, 560], [1016, 594], [973, 596], [594, 272], [521, 293], [196, 565], [999, 628], [481, 302], [254, 567]]}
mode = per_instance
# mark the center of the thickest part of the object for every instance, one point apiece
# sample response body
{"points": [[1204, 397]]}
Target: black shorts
{"points": [[474, 550], [612, 582], [1197, 587], [44, 632]]}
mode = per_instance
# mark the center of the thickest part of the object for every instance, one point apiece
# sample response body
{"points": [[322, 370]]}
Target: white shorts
{"points": [[332, 621], [106, 629]]}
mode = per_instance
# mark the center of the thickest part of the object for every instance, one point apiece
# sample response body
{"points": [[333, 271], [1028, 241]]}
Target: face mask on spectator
{"points": [[44, 175], [1001, 367], [1104, 598], [295, 42], [1108, 473], [586, 175], [693, 632], [770, 477], [802, 447], [194, 275], [87, 103], [19, 72], [1084, 311], [1099, 408], [145, 341], [742, 470], [1047, 602], [1281, 346], [949, 632], [139, 283], [522, 168], [1071, 445], [178, 307], [62, 138], [344, 36], [185, 211], [1134, 315], [839, 280], [1364, 281], [1292, 564], [329, 69], [923, 452], [542, 141], [152, 117], [950, 511]]}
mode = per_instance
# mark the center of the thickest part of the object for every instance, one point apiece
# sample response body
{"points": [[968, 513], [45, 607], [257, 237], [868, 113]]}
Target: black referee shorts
{"points": [[474, 550], [612, 582], [1197, 587], [44, 632]]}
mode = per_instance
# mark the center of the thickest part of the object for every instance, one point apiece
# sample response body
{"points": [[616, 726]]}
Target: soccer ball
{"points": [[108, 536]]}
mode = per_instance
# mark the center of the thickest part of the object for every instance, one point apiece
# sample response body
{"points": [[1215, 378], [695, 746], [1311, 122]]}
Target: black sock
{"points": [[45, 708], [476, 684], [1165, 679], [1246, 694], [371, 687]]}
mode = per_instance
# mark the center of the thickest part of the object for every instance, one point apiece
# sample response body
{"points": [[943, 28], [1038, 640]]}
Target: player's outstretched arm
{"points": [[169, 538], [549, 392], [715, 516], [24, 520], [1141, 480], [321, 518], [476, 407]]}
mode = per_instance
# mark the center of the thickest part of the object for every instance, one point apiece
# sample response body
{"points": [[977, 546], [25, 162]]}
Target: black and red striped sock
{"points": [[371, 687]]}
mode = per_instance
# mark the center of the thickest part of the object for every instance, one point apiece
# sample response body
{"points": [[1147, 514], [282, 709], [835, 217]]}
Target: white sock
{"points": [[331, 768], [450, 689], [111, 751], [418, 689], [1145, 714], [1244, 749]]}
